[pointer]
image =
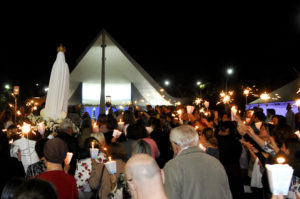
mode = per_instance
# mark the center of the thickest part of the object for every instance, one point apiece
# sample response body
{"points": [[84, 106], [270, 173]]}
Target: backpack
{"points": [[121, 190]]}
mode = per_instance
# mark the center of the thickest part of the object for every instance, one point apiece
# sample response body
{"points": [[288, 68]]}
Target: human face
{"points": [[263, 132], [275, 121]]}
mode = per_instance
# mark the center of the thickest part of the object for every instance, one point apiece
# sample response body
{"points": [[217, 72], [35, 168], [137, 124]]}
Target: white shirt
{"points": [[28, 154]]}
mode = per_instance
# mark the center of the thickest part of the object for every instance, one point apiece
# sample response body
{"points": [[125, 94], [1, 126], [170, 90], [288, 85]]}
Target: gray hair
{"points": [[141, 146], [65, 125], [100, 137], [184, 136]]}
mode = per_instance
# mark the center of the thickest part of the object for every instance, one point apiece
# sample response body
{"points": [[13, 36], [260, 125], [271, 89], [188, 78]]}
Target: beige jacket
{"points": [[195, 174], [106, 185]]}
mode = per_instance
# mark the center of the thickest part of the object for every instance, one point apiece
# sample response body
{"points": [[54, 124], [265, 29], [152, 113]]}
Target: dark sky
{"points": [[182, 43]]}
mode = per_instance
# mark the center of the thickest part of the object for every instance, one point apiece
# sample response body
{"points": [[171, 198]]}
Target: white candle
{"points": [[111, 166], [279, 176], [95, 127], [41, 128], [233, 112], [68, 158], [121, 125]]}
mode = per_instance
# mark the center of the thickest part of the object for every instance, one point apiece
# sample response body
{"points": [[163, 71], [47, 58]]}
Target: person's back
{"points": [[10, 167], [195, 174], [64, 183], [55, 151]]}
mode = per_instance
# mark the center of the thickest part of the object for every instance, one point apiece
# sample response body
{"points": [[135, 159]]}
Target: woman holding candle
{"points": [[84, 165], [117, 153]]}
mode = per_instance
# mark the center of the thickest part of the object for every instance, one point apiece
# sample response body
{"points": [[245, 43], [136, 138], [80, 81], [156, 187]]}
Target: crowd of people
{"points": [[161, 152]]}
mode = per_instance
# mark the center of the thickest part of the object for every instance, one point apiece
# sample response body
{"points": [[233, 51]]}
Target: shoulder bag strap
{"points": [[100, 181]]}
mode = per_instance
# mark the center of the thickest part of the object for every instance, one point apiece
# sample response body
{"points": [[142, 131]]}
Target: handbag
{"points": [[95, 192]]}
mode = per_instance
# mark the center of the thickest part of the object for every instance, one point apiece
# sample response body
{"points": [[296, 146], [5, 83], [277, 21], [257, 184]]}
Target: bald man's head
{"points": [[141, 167]]}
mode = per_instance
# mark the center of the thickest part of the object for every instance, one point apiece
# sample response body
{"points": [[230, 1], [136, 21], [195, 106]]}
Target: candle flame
{"points": [[19, 112], [179, 112], [233, 109], [93, 143], [280, 160], [298, 134], [109, 158], [298, 102]]}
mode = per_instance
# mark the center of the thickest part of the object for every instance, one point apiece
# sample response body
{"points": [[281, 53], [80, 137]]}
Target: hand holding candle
{"points": [[68, 158]]}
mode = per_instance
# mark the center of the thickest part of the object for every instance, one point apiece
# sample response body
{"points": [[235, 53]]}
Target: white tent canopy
{"points": [[122, 73]]}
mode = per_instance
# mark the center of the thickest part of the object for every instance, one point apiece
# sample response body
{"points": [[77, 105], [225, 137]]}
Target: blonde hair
{"points": [[184, 136], [100, 137]]}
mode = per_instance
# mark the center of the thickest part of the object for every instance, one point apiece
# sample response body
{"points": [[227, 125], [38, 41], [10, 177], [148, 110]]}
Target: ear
{"points": [[175, 148], [162, 174]]}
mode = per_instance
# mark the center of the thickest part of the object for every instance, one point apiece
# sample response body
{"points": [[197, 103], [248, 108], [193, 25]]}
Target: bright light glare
{"points": [[298, 102], [7, 86], [265, 96], [229, 71], [167, 83]]}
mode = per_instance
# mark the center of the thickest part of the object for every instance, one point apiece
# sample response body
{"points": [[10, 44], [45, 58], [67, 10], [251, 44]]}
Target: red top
{"points": [[65, 184]]}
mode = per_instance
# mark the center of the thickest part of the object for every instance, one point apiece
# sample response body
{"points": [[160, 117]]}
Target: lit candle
{"points": [[280, 160], [95, 127], [68, 158], [202, 147], [111, 166], [297, 102], [121, 125], [279, 176], [189, 109], [41, 128], [233, 112], [94, 151], [298, 134]]}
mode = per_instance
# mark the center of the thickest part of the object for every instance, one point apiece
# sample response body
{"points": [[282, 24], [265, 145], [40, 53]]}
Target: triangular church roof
{"points": [[120, 68], [286, 93]]}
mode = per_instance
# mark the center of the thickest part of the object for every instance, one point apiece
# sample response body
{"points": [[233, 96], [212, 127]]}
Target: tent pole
{"points": [[102, 97]]}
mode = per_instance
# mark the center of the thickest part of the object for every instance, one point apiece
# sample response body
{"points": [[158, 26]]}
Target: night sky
{"points": [[181, 43]]}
